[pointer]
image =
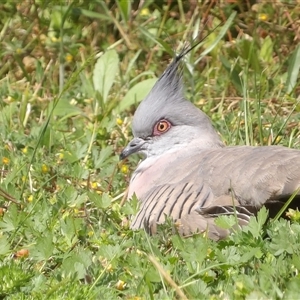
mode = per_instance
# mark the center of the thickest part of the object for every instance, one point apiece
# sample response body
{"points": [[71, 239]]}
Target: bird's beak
{"points": [[134, 146]]}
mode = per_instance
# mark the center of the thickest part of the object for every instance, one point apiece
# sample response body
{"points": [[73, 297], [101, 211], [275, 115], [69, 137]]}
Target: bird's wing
{"points": [[233, 180], [253, 175], [174, 200], [188, 205]]}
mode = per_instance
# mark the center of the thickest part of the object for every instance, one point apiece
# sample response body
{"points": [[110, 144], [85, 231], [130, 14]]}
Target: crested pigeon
{"points": [[190, 176]]}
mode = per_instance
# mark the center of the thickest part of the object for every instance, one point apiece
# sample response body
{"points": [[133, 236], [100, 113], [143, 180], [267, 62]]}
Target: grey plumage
{"points": [[189, 175]]}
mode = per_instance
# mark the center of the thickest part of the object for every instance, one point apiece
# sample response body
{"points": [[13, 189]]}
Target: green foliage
{"points": [[71, 77], [104, 73], [293, 70], [136, 94]]}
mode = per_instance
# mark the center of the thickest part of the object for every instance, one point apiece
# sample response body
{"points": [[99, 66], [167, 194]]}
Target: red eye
{"points": [[161, 127]]}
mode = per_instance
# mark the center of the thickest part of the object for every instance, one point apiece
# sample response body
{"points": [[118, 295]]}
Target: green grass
{"points": [[71, 76]]}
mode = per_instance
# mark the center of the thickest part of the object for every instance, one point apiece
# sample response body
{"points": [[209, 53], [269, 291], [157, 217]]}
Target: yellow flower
{"points": [[5, 160], [278, 139], [9, 99], [139, 252], [69, 57], [294, 215], [120, 285], [45, 169], [88, 101], [119, 121], [202, 101], [239, 285], [124, 169], [30, 198], [263, 17], [54, 39], [109, 268], [25, 150], [145, 12], [94, 185]]}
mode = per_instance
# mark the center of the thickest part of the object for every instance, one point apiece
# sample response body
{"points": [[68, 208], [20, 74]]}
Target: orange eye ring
{"points": [[161, 127]]}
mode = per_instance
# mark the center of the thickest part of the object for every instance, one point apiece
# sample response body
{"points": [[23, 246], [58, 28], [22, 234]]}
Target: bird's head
{"points": [[165, 120]]}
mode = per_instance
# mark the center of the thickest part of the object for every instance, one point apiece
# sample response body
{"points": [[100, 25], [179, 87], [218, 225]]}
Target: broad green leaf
{"points": [[293, 70], [136, 94], [56, 20], [105, 200], [11, 219], [92, 14], [110, 252], [188, 251], [77, 263], [251, 253], [262, 216], [131, 207], [234, 74], [296, 261], [101, 201], [125, 8], [78, 201], [43, 248], [69, 228], [250, 54], [266, 49], [105, 71], [153, 275], [292, 290], [4, 245], [70, 193], [284, 238], [65, 110], [105, 153], [70, 157], [225, 222], [255, 225]]}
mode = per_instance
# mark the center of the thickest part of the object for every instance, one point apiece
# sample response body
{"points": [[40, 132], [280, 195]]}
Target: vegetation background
{"points": [[72, 73]]}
